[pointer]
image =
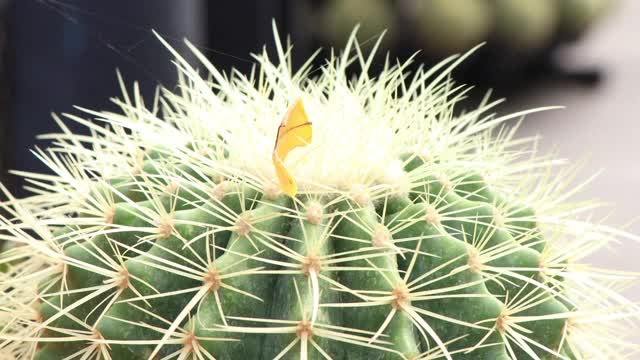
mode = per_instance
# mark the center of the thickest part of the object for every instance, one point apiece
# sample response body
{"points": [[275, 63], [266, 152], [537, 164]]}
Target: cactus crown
{"points": [[416, 233]]}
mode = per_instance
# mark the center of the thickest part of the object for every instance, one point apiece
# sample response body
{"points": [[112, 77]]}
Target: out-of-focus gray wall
{"points": [[602, 123]]}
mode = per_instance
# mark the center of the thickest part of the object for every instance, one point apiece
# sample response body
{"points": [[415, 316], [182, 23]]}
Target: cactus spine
{"points": [[416, 234]]}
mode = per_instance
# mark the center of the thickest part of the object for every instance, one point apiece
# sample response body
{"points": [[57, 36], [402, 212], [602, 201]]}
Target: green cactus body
{"points": [[409, 237]]}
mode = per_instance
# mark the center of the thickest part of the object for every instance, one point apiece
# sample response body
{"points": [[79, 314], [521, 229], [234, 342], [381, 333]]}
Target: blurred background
{"points": [[579, 53]]}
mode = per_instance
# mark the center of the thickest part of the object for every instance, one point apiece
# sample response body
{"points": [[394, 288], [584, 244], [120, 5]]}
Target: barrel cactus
{"points": [[381, 225]]}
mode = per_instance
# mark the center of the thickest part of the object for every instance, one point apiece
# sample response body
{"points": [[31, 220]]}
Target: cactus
{"points": [[577, 16], [450, 26], [415, 233], [338, 17], [525, 26]]}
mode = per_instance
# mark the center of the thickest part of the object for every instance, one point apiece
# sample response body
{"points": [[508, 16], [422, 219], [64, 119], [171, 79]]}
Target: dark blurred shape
{"points": [[521, 35], [237, 29], [66, 52], [4, 84], [336, 21]]}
